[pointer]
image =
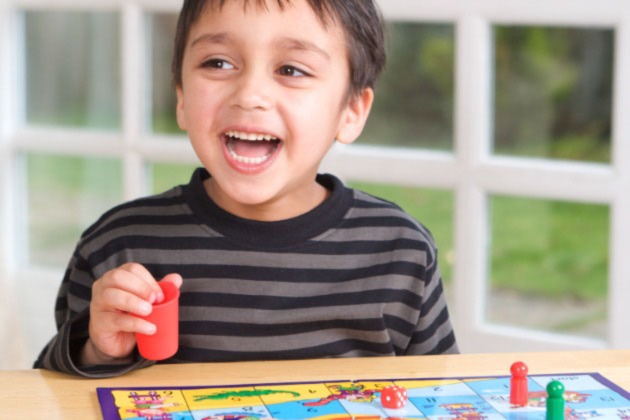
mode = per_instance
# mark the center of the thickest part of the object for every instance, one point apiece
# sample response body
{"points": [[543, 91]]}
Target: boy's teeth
{"points": [[251, 160], [249, 136], [248, 160]]}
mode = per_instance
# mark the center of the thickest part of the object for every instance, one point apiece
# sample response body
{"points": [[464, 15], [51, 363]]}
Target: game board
{"points": [[587, 395]]}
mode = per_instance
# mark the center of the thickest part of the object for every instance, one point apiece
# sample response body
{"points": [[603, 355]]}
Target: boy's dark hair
{"points": [[360, 20]]}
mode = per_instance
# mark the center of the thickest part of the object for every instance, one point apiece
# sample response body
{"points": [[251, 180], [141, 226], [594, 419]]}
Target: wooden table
{"points": [[34, 394]]}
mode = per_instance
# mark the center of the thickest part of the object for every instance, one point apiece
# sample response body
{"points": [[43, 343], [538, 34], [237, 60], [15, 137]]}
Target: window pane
{"points": [[414, 98], [164, 100], [432, 208], [73, 69], [66, 195], [165, 176], [549, 265], [553, 93]]}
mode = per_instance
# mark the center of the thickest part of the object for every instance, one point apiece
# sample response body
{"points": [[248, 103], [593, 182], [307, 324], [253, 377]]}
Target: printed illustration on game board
{"points": [[587, 396]]}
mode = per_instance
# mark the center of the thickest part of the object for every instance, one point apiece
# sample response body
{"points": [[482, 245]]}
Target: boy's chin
{"points": [[250, 201]]}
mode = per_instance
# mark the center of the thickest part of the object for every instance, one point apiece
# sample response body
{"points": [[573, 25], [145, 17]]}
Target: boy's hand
{"points": [[126, 290]]}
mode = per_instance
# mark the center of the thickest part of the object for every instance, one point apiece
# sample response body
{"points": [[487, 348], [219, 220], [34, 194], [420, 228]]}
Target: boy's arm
{"points": [[63, 354], [71, 345], [433, 333]]}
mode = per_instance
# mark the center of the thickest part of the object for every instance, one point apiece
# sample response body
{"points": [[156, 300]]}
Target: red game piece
{"points": [[393, 396], [518, 384]]}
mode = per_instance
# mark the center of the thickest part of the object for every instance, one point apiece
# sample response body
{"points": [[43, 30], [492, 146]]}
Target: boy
{"points": [[273, 260]]}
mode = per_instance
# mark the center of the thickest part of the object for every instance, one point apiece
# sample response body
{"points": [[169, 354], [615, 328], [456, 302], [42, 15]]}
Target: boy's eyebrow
{"points": [[283, 43], [211, 38], [302, 45]]}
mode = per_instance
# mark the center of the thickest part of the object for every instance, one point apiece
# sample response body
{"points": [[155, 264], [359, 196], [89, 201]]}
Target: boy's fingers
{"points": [[132, 278], [174, 278], [116, 284], [139, 271], [131, 324], [124, 301], [153, 292]]}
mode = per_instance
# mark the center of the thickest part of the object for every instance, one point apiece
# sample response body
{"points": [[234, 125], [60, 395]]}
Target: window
{"points": [[553, 92], [72, 68], [499, 125], [413, 105], [548, 265]]}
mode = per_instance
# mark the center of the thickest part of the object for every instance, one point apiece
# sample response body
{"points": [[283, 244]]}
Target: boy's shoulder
{"points": [[368, 200], [151, 209], [379, 211]]}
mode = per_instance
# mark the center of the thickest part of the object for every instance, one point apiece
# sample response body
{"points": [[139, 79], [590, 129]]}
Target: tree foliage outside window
{"points": [[73, 69], [414, 98], [553, 92]]}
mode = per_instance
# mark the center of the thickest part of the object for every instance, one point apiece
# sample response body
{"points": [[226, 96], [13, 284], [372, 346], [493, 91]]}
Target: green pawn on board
{"points": [[555, 401]]}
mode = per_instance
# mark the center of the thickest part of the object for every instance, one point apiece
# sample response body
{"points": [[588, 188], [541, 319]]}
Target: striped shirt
{"points": [[356, 276]]}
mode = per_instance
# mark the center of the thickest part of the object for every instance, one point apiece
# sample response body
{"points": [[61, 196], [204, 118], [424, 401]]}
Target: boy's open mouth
{"points": [[250, 148]]}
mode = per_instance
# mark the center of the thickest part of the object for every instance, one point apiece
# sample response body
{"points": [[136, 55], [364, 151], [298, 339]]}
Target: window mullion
{"points": [[572, 181], [619, 286], [133, 98], [472, 137], [9, 112]]}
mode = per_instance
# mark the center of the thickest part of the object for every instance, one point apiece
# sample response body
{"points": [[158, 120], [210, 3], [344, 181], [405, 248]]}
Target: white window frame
{"points": [[471, 171]]}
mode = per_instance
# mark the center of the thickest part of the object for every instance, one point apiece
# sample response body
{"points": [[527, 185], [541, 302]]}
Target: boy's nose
{"points": [[252, 91]]}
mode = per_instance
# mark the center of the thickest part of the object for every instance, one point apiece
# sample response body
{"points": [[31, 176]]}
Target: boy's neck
{"points": [[269, 211]]}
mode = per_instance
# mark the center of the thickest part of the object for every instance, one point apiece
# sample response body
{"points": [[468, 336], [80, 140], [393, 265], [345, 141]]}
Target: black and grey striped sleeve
{"points": [[425, 327], [75, 292]]}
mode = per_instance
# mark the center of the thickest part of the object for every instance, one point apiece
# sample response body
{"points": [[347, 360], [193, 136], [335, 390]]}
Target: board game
{"points": [[587, 395]]}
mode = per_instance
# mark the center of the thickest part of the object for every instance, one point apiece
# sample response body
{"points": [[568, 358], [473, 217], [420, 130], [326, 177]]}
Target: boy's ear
{"points": [[181, 117], [355, 115]]}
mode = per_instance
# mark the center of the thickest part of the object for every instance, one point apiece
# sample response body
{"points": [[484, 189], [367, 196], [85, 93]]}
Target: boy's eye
{"points": [[291, 71], [217, 63]]}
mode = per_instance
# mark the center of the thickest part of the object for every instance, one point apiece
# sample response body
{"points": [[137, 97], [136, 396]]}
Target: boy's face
{"points": [[276, 75]]}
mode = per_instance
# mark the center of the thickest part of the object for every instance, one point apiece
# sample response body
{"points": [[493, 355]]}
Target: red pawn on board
{"points": [[518, 384], [393, 396]]}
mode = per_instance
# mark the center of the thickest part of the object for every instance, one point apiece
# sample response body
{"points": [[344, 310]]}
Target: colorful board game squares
{"points": [[301, 410], [599, 414], [497, 392], [586, 396], [452, 406], [499, 387], [354, 391], [439, 390], [250, 413], [502, 404], [426, 383], [409, 411], [272, 394], [572, 382], [598, 398], [362, 408], [375, 385], [204, 398], [139, 404], [621, 413]]}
